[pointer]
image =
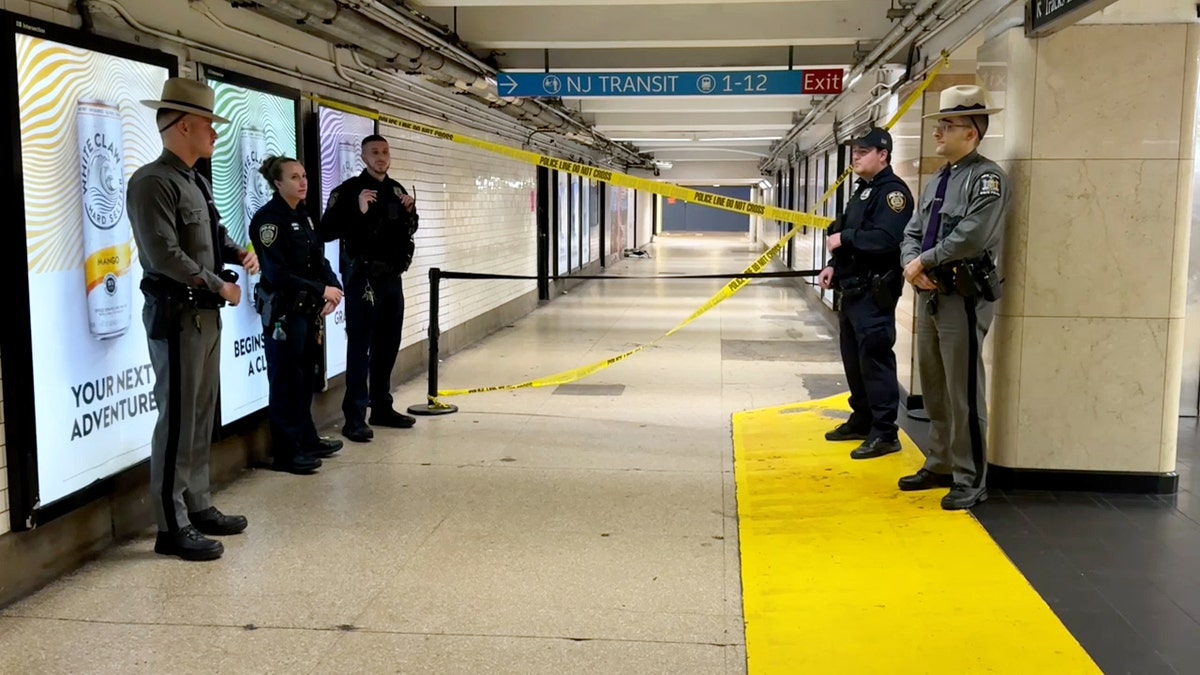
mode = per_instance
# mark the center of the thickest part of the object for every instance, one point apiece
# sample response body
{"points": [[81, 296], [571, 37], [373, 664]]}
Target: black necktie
{"points": [[213, 221]]}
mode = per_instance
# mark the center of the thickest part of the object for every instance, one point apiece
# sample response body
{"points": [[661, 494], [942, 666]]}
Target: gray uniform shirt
{"points": [[171, 224], [973, 214]]}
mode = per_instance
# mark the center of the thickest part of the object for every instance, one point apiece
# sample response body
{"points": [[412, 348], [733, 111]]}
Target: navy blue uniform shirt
{"points": [[872, 226]]}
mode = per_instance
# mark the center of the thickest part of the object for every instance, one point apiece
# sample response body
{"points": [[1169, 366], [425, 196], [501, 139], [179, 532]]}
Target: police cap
{"points": [[874, 138]]}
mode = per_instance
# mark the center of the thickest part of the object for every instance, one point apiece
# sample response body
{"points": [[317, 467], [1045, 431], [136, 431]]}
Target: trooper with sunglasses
{"points": [[950, 254]]}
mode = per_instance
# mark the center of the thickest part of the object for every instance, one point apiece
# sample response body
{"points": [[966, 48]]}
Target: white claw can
{"points": [[350, 162], [257, 192], [107, 237]]}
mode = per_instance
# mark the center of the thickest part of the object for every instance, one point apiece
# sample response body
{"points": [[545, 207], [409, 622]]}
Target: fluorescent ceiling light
{"points": [[740, 138], [652, 140]]}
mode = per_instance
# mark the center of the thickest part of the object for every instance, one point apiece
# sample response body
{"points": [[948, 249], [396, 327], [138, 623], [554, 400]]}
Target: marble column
{"points": [[1097, 137]]}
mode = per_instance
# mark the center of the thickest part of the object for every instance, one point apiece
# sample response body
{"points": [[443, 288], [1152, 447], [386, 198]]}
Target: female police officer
{"points": [[297, 288]]}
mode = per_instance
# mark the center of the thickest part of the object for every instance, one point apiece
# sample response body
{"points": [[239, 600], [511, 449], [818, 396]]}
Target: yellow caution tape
{"points": [[797, 218], [595, 173]]}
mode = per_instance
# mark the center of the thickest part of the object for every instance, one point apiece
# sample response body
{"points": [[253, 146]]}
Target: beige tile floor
{"points": [[532, 532]]}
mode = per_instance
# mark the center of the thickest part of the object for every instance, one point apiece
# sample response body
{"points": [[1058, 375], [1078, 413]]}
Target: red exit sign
{"points": [[828, 81]]}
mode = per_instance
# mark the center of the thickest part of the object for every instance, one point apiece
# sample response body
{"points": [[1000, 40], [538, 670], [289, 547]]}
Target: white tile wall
{"points": [[476, 216]]}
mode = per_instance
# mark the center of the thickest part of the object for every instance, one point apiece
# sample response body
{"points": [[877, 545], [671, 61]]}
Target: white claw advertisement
{"points": [[341, 137], [261, 124], [83, 134]]}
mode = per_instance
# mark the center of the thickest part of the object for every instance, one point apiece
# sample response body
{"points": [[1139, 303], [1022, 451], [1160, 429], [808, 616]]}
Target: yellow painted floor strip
{"points": [[843, 573]]}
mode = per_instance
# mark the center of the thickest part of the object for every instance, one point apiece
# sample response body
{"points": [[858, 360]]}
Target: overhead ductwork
{"points": [[923, 16], [389, 48]]}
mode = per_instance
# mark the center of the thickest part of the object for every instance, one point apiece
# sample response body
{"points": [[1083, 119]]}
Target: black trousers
{"points": [[292, 373], [868, 336], [374, 320]]}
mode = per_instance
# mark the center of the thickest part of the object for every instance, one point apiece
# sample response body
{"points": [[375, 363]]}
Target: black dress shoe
{"points": [[324, 448], [925, 480], [962, 497], [358, 432], [188, 544], [876, 447], [216, 524], [845, 432], [301, 465], [393, 419]]}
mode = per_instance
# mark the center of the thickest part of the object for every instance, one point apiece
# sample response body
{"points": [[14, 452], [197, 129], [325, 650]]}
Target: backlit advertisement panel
{"points": [[86, 410], [341, 136], [262, 123]]}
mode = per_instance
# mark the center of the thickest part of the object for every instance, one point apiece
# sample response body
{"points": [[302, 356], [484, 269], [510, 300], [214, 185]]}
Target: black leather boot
{"points": [[876, 447], [391, 418], [216, 524], [926, 480], [188, 544], [845, 432], [324, 448]]}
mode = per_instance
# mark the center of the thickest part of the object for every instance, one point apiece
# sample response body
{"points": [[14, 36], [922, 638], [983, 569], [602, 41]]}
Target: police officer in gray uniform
{"points": [[183, 248], [950, 253]]}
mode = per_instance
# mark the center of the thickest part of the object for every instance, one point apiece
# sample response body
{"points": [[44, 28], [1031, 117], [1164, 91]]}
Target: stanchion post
{"points": [[432, 406]]}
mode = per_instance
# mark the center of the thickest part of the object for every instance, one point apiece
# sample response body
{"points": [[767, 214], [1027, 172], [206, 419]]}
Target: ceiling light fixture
{"points": [[652, 140], [732, 139]]}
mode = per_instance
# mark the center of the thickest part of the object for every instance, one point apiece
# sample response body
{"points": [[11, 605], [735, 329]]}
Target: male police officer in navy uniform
{"points": [[865, 269], [376, 219], [950, 253]]}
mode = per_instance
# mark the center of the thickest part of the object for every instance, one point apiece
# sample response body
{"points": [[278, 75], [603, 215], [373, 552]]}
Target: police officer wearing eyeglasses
{"points": [[951, 250], [866, 273]]}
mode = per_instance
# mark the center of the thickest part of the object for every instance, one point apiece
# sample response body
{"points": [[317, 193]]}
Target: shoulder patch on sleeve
{"points": [[896, 201], [989, 185], [267, 233]]}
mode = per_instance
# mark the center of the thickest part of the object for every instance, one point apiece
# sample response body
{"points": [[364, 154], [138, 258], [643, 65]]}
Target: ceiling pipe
{"points": [[962, 11], [394, 47], [427, 102], [892, 41], [419, 31]]}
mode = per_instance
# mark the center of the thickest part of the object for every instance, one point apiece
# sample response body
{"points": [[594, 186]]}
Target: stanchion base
{"points": [[429, 409]]}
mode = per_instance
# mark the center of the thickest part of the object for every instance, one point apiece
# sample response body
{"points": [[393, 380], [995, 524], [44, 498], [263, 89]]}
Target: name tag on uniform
{"points": [[296, 226]]}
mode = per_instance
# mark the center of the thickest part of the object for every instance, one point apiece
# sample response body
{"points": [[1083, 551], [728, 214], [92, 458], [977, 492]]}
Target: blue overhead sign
{"points": [[704, 83]]}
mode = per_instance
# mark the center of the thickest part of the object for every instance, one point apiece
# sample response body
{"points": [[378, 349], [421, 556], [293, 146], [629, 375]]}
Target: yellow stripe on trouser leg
{"points": [[843, 573]]}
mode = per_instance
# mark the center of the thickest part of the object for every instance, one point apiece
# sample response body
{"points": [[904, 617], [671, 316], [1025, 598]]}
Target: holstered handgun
{"points": [[264, 304], [972, 278], [883, 291]]}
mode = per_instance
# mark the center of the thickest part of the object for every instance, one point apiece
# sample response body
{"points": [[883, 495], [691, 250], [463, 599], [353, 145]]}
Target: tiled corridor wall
{"points": [[476, 216]]}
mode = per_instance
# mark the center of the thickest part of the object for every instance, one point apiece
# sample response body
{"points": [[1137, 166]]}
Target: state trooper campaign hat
{"points": [[874, 138], [189, 96], [964, 100]]}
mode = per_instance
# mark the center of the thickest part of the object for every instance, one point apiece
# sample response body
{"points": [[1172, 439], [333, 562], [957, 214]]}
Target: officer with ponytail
{"points": [[298, 288]]}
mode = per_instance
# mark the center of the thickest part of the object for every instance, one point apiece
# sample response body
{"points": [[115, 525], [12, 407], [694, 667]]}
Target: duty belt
{"points": [[376, 268], [196, 298]]}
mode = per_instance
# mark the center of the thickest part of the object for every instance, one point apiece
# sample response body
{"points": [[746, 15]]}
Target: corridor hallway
{"points": [[588, 528]]}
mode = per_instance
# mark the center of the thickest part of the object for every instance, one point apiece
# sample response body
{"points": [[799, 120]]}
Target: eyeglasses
{"points": [[944, 126]]}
